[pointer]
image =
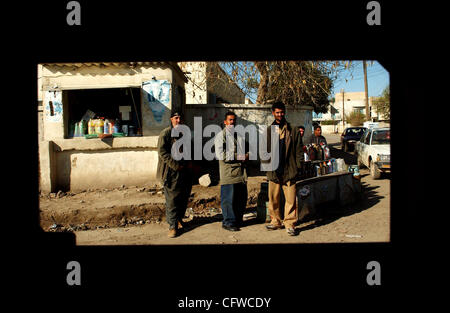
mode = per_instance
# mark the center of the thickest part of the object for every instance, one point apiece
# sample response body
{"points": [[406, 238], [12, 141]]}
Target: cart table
{"points": [[338, 187]]}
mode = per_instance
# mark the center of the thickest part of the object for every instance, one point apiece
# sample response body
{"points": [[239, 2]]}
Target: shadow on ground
{"points": [[198, 221], [332, 211], [348, 157]]}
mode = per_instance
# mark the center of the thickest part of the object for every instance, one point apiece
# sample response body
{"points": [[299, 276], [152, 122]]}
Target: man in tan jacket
{"points": [[233, 174]]}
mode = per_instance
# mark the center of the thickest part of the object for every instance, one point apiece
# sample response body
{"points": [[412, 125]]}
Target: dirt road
{"points": [[135, 216], [368, 221]]}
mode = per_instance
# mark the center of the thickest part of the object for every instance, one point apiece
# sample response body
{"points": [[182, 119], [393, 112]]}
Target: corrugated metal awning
{"points": [[66, 66], [103, 64]]}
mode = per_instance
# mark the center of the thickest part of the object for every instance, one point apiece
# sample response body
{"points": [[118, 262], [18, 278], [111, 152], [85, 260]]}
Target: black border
{"points": [[281, 31]]}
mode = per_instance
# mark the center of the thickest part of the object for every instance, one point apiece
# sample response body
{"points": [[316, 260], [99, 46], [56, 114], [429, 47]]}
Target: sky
{"points": [[377, 80]]}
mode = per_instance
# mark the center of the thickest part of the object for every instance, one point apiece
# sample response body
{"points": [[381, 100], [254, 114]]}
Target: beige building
{"points": [[209, 84], [347, 103], [141, 94], [352, 102]]}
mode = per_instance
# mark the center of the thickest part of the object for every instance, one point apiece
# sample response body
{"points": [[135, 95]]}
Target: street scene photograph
{"points": [[215, 153]]}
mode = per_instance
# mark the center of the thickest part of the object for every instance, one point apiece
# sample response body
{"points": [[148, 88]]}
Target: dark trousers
{"points": [[233, 200], [177, 190]]}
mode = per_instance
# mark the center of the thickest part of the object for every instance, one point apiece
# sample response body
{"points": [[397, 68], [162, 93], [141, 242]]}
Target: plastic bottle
{"points": [[99, 126], [333, 165], [91, 127], [111, 126], [83, 128], [106, 127], [326, 152]]}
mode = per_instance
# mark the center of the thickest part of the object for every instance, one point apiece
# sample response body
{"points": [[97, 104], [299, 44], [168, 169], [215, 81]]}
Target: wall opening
{"points": [[118, 104]]}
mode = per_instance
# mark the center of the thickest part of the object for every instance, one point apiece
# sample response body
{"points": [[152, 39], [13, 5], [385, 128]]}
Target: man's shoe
{"points": [[292, 231], [274, 227], [230, 228], [172, 233]]}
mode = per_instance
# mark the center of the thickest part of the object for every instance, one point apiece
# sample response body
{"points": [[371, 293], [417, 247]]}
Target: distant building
{"points": [[352, 102]]}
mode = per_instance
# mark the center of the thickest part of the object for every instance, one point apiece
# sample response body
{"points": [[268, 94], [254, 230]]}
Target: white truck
{"points": [[374, 151]]}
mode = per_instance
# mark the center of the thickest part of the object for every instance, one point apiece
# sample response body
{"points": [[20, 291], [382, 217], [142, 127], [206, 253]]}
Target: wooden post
{"points": [[366, 91]]}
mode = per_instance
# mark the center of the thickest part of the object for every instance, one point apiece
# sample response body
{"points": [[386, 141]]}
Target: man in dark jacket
{"points": [[175, 177], [283, 178], [317, 137]]}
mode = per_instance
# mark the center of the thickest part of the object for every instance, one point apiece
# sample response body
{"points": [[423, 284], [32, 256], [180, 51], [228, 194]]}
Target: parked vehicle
{"points": [[350, 136], [374, 151]]}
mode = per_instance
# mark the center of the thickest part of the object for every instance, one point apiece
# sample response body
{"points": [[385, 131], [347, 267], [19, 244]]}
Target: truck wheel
{"points": [[374, 171]]}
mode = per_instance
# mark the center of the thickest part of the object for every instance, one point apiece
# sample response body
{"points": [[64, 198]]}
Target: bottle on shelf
{"points": [[106, 126]]}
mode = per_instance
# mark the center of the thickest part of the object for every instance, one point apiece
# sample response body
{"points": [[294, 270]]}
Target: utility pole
{"points": [[343, 113], [366, 91]]}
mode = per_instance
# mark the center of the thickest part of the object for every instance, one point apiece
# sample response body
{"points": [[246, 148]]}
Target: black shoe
{"points": [[230, 228], [292, 231]]}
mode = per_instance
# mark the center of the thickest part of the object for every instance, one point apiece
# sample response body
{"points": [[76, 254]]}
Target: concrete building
{"points": [[142, 94], [345, 104], [209, 84], [352, 102]]}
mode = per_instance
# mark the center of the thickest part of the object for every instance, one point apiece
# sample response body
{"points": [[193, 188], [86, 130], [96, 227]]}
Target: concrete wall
{"points": [[80, 170], [80, 164], [330, 129], [256, 115]]}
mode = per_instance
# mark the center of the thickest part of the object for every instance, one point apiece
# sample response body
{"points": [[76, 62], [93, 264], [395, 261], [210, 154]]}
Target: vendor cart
{"points": [[341, 187]]}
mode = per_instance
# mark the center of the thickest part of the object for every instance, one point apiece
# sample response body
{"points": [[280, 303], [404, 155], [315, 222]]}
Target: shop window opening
{"points": [[112, 111]]}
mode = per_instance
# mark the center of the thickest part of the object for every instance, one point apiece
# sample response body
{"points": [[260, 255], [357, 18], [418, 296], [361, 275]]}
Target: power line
{"points": [[373, 74], [359, 78]]}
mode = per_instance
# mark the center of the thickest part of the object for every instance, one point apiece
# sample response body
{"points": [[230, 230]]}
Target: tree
{"points": [[355, 118], [383, 104], [306, 83], [293, 82]]}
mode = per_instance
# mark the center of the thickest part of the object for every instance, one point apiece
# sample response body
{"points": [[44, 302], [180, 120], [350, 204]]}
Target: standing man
{"points": [[317, 137], [283, 178], [233, 174], [175, 177], [301, 130]]}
